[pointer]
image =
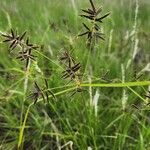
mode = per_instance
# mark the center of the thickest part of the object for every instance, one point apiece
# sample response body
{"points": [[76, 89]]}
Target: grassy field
{"points": [[107, 108]]}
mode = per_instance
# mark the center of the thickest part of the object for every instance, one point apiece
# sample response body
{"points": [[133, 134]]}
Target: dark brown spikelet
{"points": [[14, 39], [48, 91], [94, 32], [92, 13], [135, 106], [30, 45], [72, 68], [26, 52], [41, 92], [66, 58], [22, 36], [37, 93], [101, 18], [26, 55], [93, 7], [71, 71]]}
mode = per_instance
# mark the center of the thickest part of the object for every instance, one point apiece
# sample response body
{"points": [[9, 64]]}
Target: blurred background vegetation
{"points": [[70, 122]]}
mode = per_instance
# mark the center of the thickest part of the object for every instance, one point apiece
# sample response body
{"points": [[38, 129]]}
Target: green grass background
{"points": [[70, 122]]}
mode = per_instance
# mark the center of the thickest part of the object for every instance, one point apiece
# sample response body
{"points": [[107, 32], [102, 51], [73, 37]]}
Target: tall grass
{"points": [[111, 112]]}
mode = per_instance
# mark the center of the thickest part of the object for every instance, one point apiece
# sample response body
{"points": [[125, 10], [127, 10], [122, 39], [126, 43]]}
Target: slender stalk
{"points": [[117, 85], [22, 123]]}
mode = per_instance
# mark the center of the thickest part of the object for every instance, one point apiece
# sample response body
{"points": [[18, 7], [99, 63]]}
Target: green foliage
{"points": [[94, 98]]}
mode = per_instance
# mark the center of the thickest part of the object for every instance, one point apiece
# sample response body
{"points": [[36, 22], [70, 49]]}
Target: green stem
{"points": [[117, 85]]}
